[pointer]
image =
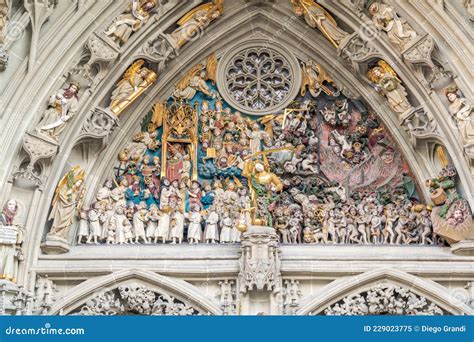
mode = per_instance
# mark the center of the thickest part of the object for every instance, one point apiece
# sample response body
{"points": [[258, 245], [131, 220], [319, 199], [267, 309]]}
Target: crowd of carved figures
{"points": [[200, 171], [323, 171]]}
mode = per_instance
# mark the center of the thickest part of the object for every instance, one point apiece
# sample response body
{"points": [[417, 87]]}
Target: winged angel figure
{"points": [[195, 80], [136, 15], [387, 83], [315, 79], [317, 17], [67, 199], [135, 81], [191, 24]]}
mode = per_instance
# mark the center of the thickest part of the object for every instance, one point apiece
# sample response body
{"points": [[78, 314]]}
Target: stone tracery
{"points": [[384, 299]]}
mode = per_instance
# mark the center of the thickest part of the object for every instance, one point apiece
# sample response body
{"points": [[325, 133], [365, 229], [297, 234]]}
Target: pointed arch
{"points": [[177, 288], [340, 288]]}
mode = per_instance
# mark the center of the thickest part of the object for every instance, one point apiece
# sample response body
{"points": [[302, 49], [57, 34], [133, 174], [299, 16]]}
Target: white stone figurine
{"points": [[153, 217], [67, 198], [177, 227], [62, 106], [83, 231], [211, 233], [95, 227], [163, 231], [136, 15], [226, 232], [122, 227], [194, 228], [139, 223], [463, 113]]}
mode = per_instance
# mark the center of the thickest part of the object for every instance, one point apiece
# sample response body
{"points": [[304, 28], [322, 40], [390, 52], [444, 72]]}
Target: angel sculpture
{"points": [[399, 32], [136, 15], [195, 80], [317, 17], [135, 81], [195, 21], [66, 201], [387, 83], [313, 78]]}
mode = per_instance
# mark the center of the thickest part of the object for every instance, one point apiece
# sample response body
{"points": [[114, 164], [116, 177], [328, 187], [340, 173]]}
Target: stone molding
{"points": [[78, 295], [342, 287]]}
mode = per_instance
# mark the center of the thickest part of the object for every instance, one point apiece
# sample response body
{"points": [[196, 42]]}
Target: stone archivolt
{"points": [[329, 171]]}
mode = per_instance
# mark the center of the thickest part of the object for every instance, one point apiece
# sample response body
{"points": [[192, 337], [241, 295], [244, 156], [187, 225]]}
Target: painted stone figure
{"points": [[136, 15], [196, 20], [462, 112], [389, 85], [195, 229], [211, 232], [163, 231], [66, 201], [317, 17], [11, 239], [62, 107], [134, 82]]}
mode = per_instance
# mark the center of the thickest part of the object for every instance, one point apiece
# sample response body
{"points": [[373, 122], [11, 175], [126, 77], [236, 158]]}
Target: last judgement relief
{"points": [[288, 133]]}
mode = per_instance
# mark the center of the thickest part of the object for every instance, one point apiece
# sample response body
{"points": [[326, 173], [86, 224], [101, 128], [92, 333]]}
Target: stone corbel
{"points": [[38, 147], [355, 50], [419, 52], [99, 124], [419, 124], [39, 11], [101, 53], [159, 50]]}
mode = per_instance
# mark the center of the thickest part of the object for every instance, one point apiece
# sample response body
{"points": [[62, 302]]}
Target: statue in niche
{"points": [[317, 17], [195, 80], [387, 83], [134, 82], [62, 106], [66, 201], [136, 15], [463, 112], [196, 20], [385, 18], [11, 240]]}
